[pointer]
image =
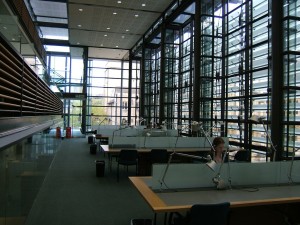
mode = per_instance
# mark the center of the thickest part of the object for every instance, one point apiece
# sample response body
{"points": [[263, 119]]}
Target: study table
{"points": [[250, 200], [144, 153]]}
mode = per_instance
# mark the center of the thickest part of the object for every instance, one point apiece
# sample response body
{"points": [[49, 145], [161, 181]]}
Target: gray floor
{"points": [[72, 194]]}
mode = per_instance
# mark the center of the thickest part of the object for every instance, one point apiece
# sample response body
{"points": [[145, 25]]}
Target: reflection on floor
{"points": [[23, 168]]}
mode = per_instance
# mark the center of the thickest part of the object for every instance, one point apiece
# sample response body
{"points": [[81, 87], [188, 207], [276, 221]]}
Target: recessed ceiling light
{"points": [[80, 10], [13, 39], [143, 4], [123, 36], [117, 46], [114, 13], [119, 2], [78, 43], [127, 30], [108, 28], [136, 15], [101, 45], [105, 35], [79, 25]]}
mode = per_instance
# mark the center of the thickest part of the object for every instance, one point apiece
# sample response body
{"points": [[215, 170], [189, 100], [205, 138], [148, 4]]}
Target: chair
{"points": [[127, 157], [241, 156], [203, 214], [159, 156]]}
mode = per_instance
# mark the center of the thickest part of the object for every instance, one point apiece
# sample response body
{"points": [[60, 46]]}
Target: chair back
{"points": [[128, 156], [209, 214], [159, 156], [241, 156]]}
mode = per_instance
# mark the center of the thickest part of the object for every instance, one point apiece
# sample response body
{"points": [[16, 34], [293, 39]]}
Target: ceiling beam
{"points": [[47, 24], [46, 41], [62, 1]]}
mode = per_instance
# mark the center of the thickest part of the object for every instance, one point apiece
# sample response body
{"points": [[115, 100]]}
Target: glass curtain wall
{"points": [[107, 90], [152, 82], [235, 77], [108, 93], [246, 71], [211, 73], [177, 77], [66, 74], [185, 78], [235, 72], [171, 72], [291, 76]]}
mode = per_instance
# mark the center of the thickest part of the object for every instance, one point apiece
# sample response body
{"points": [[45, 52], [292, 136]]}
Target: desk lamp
{"points": [[291, 166], [121, 128], [210, 163], [142, 120], [259, 119], [101, 123], [146, 135], [220, 184]]}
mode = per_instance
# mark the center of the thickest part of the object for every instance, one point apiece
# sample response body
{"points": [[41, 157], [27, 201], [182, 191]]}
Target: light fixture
{"points": [[119, 2], [142, 120], [105, 35], [136, 15], [260, 119], [127, 30], [143, 4], [108, 28], [79, 25], [114, 13], [80, 10]]}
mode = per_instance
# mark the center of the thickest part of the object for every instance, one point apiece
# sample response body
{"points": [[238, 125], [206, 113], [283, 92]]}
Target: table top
{"points": [[106, 148], [182, 200]]}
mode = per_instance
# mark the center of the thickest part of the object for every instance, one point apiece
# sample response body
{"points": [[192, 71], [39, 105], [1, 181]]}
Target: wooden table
{"points": [[244, 201], [144, 155]]}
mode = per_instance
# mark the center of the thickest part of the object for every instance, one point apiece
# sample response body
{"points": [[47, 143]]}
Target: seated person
{"points": [[217, 153]]}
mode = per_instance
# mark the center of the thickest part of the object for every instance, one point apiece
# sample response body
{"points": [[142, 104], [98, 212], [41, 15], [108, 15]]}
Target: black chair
{"points": [[203, 214], [159, 156], [127, 157], [241, 156]]}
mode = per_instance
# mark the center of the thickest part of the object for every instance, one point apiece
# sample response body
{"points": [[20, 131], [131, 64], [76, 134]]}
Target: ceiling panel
{"points": [[49, 8], [150, 5], [107, 53], [108, 24], [97, 39], [97, 23], [100, 18]]}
